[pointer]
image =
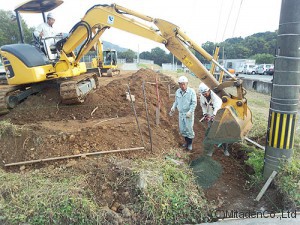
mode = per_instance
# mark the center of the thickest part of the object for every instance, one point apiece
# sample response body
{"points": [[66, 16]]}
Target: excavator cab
{"points": [[110, 62], [46, 45], [110, 57]]}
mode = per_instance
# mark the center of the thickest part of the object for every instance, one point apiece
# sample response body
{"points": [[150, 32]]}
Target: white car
{"points": [[263, 68], [249, 69], [2, 70]]}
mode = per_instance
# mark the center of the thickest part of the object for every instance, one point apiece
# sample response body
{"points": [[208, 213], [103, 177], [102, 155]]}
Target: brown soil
{"points": [[106, 121]]}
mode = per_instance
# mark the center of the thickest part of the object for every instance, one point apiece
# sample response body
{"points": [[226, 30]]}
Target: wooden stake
{"points": [[72, 156], [265, 187]]}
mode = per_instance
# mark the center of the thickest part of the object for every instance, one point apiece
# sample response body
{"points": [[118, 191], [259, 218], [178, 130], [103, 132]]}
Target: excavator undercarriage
{"points": [[72, 90]]}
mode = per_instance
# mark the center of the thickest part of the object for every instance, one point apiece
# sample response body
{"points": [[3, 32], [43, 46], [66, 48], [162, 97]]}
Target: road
{"points": [[129, 66], [256, 77]]}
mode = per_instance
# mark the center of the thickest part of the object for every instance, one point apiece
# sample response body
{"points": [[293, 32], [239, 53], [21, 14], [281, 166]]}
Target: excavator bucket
{"points": [[229, 126]]}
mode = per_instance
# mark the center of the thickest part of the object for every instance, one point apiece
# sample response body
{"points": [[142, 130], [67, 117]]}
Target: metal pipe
{"points": [[134, 13], [222, 68], [285, 90], [204, 53], [20, 27]]}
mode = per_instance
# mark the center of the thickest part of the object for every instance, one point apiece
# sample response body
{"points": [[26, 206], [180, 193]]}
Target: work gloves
{"points": [[209, 118], [172, 111], [188, 114]]}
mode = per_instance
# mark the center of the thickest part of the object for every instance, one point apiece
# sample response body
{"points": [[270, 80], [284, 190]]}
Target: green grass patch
{"points": [[260, 123], [176, 199], [288, 180], [255, 160], [46, 197], [9, 129]]}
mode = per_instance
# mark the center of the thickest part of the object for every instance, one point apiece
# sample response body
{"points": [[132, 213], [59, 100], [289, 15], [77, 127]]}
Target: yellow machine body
{"points": [[18, 73]]}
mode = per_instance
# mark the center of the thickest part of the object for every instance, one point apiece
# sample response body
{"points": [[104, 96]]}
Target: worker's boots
{"points": [[209, 149], [189, 144], [186, 143], [225, 147]]}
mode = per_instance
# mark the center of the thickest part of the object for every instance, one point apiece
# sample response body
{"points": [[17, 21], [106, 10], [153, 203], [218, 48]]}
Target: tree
{"points": [[159, 56], [146, 55], [129, 55], [9, 31], [264, 58]]}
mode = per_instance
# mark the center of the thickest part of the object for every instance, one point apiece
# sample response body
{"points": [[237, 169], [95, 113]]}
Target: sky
{"points": [[201, 20]]}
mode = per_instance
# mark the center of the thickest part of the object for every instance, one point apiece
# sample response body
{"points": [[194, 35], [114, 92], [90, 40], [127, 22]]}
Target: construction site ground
{"points": [[106, 121]]}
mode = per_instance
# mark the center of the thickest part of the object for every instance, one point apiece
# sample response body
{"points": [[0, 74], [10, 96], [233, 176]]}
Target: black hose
{"points": [[89, 34], [101, 5]]}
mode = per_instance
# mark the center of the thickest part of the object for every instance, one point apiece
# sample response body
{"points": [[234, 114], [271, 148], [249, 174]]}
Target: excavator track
{"points": [[5, 90], [75, 89]]}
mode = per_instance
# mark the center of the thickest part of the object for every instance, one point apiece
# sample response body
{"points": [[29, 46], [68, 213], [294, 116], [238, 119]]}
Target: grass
{"points": [[288, 181], [255, 160], [46, 197], [60, 196], [9, 129], [176, 199], [288, 178]]}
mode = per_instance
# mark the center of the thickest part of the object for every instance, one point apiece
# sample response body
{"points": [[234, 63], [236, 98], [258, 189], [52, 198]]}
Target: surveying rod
{"points": [[285, 90]]}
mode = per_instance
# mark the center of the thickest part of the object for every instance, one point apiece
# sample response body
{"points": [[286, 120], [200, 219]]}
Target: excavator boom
{"points": [[231, 123]]}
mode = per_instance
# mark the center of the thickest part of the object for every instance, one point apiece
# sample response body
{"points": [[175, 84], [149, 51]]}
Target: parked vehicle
{"points": [[237, 64], [2, 70], [239, 70], [249, 69], [270, 71], [263, 68]]}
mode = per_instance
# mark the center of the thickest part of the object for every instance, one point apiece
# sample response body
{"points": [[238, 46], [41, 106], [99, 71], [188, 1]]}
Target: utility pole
{"points": [[173, 63], [138, 55], [285, 90]]}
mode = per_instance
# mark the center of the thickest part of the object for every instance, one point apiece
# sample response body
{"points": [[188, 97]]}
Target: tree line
{"points": [[259, 46]]}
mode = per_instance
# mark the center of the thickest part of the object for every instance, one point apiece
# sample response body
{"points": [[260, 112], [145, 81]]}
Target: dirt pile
{"points": [[105, 121]]}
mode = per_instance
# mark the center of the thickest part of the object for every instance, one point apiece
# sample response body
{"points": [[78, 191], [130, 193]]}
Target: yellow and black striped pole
{"points": [[285, 90]]}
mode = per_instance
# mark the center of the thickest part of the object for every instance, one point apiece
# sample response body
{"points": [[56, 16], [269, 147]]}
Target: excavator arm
{"points": [[233, 120]]}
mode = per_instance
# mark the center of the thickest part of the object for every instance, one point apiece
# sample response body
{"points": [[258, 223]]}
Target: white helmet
{"points": [[50, 15], [183, 79], [203, 88]]}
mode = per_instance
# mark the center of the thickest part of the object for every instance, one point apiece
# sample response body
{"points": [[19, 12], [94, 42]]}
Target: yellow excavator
{"points": [[27, 67], [106, 61]]}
